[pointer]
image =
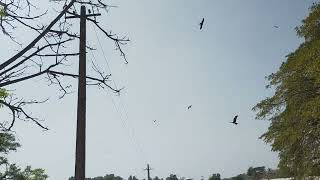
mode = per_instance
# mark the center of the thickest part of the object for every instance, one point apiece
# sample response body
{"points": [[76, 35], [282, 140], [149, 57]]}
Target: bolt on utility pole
{"points": [[81, 108]]}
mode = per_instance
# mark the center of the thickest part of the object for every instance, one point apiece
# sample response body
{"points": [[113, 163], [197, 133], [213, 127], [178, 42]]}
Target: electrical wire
{"points": [[123, 122], [124, 118]]}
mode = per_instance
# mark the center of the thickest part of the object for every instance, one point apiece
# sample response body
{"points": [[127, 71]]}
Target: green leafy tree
{"points": [[240, 177], [33, 174], [157, 178], [2, 12], [294, 109], [107, 177], [172, 177], [3, 93], [112, 177], [12, 171], [132, 178], [215, 177], [256, 173]]}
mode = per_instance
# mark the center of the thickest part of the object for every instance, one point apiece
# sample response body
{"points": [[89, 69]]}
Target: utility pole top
{"points": [[75, 15]]}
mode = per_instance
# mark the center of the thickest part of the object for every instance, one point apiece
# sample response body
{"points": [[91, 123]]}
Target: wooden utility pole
{"points": [[80, 167], [80, 164], [148, 170]]}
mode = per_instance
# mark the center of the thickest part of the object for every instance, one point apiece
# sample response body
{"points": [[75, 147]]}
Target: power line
{"points": [[124, 117], [104, 56], [115, 85], [136, 147], [118, 111]]}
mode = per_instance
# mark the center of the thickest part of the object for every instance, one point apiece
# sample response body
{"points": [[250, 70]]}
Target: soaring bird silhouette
{"points": [[235, 120], [201, 23], [276, 27], [189, 107], [155, 122]]}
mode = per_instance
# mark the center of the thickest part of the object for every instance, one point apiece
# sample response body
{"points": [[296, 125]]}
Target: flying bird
{"points": [[155, 122], [201, 23], [235, 120], [276, 26], [189, 107]]}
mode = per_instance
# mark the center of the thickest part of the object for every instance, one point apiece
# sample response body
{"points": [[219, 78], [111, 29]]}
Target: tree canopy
{"points": [[52, 41], [294, 108], [172, 177], [252, 173], [215, 177], [3, 93], [107, 177], [10, 170]]}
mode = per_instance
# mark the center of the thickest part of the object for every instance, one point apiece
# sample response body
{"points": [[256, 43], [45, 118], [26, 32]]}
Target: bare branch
{"points": [[118, 41], [33, 43], [16, 108], [49, 51]]}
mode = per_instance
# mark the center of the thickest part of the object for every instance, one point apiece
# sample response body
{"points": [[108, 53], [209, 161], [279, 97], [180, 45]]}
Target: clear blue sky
{"points": [[220, 70]]}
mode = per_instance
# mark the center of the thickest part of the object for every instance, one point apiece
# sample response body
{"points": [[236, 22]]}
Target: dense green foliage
{"points": [[294, 109], [2, 12], [113, 177], [7, 143], [3, 94], [172, 177], [215, 177], [252, 173], [107, 177], [12, 171], [132, 178], [255, 173]]}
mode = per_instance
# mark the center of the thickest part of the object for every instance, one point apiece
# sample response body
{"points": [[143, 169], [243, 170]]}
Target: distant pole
{"points": [[80, 168], [148, 170]]}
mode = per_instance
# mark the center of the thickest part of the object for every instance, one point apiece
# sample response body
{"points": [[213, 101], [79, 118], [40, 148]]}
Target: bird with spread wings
{"points": [[201, 23]]}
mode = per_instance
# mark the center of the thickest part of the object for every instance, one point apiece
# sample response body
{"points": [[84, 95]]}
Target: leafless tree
{"points": [[51, 43]]}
